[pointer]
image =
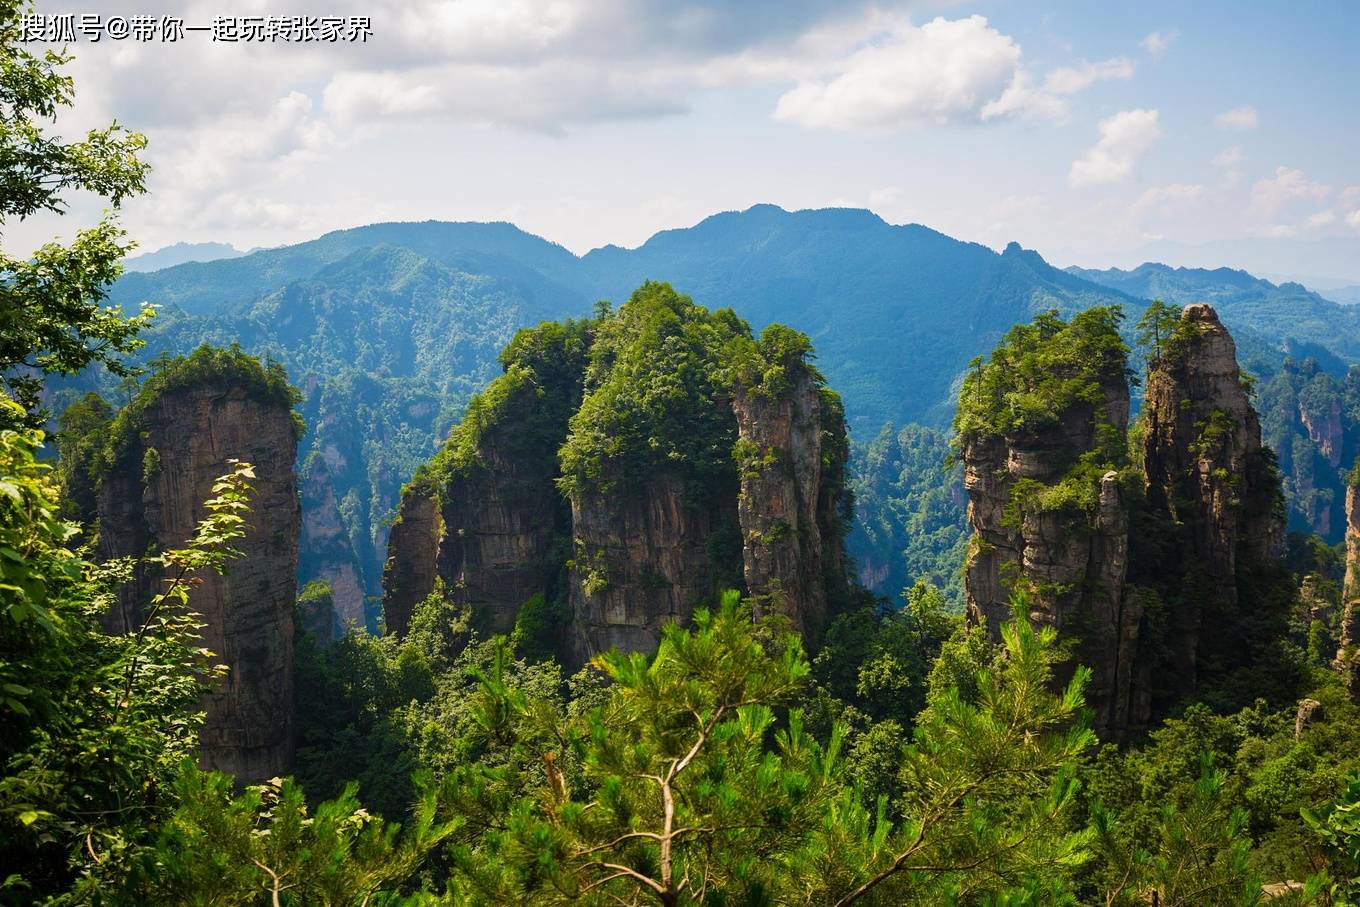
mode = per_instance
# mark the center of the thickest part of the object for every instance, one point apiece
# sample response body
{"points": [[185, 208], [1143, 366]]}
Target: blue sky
{"points": [[1204, 133]]}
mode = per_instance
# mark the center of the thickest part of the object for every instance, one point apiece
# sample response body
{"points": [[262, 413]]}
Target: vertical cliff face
{"points": [[601, 473], [1312, 422], [325, 552], [643, 559], [1056, 509], [315, 615], [702, 458], [1323, 425], [1049, 514], [502, 522], [412, 551], [1208, 472], [492, 528], [781, 507], [1348, 656], [486, 517], [178, 438]]}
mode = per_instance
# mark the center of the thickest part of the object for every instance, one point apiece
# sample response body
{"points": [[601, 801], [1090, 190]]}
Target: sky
{"points": [[1099, 134]]}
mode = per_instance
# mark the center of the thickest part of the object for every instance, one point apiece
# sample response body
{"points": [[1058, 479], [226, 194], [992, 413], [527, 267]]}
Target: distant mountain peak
{"points": [[180, 253]]}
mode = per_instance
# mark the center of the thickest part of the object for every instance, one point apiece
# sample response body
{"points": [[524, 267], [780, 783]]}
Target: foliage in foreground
{"points": [[93, 727], [51, 317]]}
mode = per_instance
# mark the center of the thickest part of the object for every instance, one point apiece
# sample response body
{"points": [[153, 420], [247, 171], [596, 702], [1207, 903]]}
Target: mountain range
{"points": [[389, 328]]}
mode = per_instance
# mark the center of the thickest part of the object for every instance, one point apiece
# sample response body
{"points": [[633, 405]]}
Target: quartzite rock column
{"points": [[155, 500]]}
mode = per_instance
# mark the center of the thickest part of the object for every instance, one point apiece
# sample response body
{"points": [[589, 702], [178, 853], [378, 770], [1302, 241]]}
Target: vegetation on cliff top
{"points": [[52, 317], [534, 399], [1040, 375], [654, 396], [205, 367], [1040, 371]]}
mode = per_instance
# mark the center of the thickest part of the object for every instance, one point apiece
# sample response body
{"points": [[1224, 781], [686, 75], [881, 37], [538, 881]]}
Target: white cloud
{"points": [[945, 71], [1158, 43], [1287, 185], [1228, 158], [1072, 79], [1312, 222], [1172, 195], [1124, 139], [1354, 219], [1022, 98], [941, 72], [1238, 118], [353, 95]]}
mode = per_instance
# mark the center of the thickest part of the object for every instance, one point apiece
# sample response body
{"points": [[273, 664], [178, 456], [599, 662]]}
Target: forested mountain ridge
{"points": [[1277, 313], [201, 288], [389, 328]]}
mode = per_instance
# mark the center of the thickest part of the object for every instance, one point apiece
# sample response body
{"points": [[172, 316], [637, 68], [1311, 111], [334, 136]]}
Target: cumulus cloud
{"points": [[1023, 98], [1124, 139], [945, 71], [1172, 195], [1354, 219], [1238, 118], [941, 72], [1072, 79], [237, 129], [1158, 43], [1320, 219], [1228, 158], [542, 98], [1287, 186]]}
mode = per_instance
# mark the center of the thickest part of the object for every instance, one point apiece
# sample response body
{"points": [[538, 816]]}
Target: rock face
{"points": [[1324, 429], [1038, 422], [626, 508], [782, 508], [413, 550], [325, 552], [1309, 712], [316, 614], [1309, 418], [1348, 656], [644, 559], [500, 524], [1073, 563], [492, 529], [1208, 472], [156, 499]]}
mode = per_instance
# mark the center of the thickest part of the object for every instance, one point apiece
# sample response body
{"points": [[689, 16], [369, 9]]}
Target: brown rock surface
{"points": [[1348, 655], [1309, 713], [412, 551], [641, 561], [500, 524], [249, 611], [1072, 563], [1324, 429], [781, 484], [493, 529], [1206, 469], [325, 551]]}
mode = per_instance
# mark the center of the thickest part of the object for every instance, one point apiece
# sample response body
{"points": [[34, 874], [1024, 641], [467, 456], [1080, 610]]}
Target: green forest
{"points": [[1160, 706]]}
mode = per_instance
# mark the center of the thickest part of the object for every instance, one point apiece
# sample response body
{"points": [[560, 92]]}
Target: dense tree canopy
{"points": [[51, 317]]}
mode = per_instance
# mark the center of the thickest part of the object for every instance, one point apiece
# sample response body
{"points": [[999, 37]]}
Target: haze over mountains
{"points": [[389, 328], [180, 253]]}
